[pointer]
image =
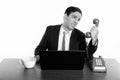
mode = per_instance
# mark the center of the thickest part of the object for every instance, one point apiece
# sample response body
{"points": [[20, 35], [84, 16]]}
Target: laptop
{"points": [[62, 60]]}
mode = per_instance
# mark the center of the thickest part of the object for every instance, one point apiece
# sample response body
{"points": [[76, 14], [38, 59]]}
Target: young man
{"points": [[66, 36]]}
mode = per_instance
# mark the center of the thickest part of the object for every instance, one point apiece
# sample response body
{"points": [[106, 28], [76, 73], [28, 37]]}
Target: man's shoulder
{"points": [[54, 26], [79, 32]]}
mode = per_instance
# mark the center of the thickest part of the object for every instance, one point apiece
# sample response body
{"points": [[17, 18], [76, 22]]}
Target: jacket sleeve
{"points": [[91, 49], [43, 45]]}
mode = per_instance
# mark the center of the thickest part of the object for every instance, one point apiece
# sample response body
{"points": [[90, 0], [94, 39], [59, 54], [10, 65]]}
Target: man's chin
{"points": [[72, 28]]}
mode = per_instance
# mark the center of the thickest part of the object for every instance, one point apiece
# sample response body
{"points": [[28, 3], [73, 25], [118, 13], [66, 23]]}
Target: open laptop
{"points": [[65, 60]]}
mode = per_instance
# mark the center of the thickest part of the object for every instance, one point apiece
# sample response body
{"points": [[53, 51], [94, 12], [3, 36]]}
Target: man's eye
{"points": [[74, 17], [79, 19]]}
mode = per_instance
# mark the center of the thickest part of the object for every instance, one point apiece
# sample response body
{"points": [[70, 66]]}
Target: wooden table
{"points": [[11, 69]]}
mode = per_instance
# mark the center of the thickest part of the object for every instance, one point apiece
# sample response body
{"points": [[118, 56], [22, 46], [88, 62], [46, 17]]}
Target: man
{"points": [[66, 36]]}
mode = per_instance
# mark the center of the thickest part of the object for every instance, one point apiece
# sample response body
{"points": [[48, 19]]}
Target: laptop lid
{"points": [[62, 59]]}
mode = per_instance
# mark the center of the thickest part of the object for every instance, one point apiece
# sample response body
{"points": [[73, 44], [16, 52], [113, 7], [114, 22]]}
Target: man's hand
{"points": [[37, 58], [94, 34]]}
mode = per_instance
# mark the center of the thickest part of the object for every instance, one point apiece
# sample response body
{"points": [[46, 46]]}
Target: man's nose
{"points": [[76, 22]]}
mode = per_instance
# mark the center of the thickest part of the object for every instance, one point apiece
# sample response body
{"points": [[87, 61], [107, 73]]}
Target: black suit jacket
{"points": [[77, 40]]}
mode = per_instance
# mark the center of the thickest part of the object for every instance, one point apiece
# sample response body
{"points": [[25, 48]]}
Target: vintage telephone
{"points": [[96, 64]]}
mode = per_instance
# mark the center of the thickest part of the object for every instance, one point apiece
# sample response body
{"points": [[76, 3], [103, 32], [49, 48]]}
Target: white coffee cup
{"points": [[28, 62]]}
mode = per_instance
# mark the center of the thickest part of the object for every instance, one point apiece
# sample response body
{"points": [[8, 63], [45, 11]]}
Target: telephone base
{"points": [[97, 65]]}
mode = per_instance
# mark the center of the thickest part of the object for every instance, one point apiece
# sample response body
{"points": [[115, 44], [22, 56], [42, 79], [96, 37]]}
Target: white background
{"points": [[23, 23]]}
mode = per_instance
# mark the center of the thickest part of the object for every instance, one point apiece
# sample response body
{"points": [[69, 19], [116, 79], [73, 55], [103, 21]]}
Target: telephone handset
{"points": [[97, 64], [96, 23]]}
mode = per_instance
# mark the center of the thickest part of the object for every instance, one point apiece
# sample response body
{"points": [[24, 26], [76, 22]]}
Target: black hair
{"points": [[72, 9]]}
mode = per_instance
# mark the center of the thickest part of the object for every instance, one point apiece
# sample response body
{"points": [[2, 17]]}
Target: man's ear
{"points": [[65, 17]]}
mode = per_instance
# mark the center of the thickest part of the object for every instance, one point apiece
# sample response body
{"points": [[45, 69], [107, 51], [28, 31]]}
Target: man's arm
{"points": [[92, 47], [42, 45]]}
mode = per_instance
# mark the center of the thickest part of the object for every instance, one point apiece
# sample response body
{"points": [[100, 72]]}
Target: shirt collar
{"points": [[63, 30]]}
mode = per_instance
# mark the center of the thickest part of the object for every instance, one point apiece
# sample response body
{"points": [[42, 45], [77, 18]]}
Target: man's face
{"points": [[72, 20]]}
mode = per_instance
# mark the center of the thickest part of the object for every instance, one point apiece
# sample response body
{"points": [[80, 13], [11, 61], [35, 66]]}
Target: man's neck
{"points": [[65, 28]]}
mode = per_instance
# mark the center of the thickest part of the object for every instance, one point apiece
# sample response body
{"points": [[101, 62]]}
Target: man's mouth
{"points": [[73, 25]]}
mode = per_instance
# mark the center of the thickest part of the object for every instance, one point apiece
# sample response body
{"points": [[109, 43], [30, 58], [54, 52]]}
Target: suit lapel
{"points": [[73, 40], [56, 37]]}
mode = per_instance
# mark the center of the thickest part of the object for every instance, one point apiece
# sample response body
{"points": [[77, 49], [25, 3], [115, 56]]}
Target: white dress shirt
{"points": [[67, 39]]}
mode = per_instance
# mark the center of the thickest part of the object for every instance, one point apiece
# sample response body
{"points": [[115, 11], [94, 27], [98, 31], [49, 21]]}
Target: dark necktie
{"points": [[63, 42]]}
